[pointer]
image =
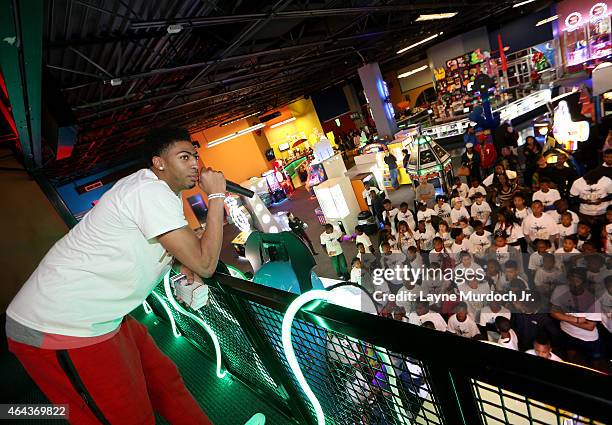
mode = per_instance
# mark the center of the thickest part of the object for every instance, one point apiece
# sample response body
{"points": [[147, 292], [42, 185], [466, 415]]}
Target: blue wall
{"points": [[523, 33], [81, 203]]}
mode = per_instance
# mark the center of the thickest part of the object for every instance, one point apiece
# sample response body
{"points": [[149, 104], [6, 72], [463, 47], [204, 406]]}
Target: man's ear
{"points": [[158, 163]]}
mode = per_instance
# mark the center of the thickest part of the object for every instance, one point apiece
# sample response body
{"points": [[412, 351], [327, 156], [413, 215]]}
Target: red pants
{"points": [[126, 376]]}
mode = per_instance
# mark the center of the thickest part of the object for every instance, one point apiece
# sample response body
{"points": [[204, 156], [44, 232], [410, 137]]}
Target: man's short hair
{"points": [[511, 264], [542, 338], [386, 201], [159, 139], [545, 180], [502, 324]]}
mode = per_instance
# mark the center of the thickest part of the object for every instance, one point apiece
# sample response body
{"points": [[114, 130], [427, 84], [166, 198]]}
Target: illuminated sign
{"points": [[573, 20], [598, 11], [238, 215], [566, 131]]}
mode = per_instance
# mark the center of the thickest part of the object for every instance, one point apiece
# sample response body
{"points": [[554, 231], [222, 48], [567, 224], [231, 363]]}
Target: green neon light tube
{"points": [[220, 373]]}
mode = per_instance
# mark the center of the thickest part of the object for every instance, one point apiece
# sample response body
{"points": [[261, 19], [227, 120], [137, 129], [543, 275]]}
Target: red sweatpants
{"points": [[127, 376]]}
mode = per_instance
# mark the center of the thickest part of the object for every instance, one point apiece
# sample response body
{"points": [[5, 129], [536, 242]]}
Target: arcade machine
{"points": [[429, 161]]}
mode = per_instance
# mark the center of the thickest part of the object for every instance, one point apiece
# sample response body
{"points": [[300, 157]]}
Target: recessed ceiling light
{"points": [[425, 40], [435, 16], [174, 28]]}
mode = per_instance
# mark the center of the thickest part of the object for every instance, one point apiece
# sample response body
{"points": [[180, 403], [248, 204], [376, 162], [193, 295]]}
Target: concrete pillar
{"points": [[378, 99]]}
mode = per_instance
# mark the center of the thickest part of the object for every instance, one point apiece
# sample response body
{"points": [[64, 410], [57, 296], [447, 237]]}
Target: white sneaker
{"points": [[257, 419]]}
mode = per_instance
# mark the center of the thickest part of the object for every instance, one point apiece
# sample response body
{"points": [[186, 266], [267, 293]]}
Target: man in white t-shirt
{"points": [[69, 322], [594, 192], [422, 314], [547, 196], [578, 312], [330, 240], [539, 225], [367, 196]]}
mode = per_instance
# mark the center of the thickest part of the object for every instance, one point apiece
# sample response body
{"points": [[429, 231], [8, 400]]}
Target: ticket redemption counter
{"points": [[338, 202]]}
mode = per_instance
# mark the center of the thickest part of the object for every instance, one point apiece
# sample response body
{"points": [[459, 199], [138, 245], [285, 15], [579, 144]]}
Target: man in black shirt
{"points": [[391, 162]]}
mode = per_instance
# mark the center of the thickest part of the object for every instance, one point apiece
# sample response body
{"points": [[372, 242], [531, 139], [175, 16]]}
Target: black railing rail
{"points": [[455, 366]]}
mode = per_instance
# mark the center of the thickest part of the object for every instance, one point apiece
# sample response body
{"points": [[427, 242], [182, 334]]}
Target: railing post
{"points": [[455, 396], [277, 371]]}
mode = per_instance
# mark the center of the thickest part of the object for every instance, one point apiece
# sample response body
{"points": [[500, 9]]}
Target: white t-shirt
{"points": [[608, 241], [467, 328], [563, 231], [521, 214], [511, 343], [488, 316], [480, 243], [444, 212], [365, 240], [446, 239], [606, 310], [557, 217], [430, 316], [366, 194], [330, 240], [544, 277], [356, 275], [425, 215], [514, 231], [106, 265], [542, 227], [466, 246], [480, 211], [552, 357], [547, 198], [584, 305], [407, 217], [473, 190], [463, 190], [536, 260], [390, 215], [456, 214], [425, 239], [595, 192]]}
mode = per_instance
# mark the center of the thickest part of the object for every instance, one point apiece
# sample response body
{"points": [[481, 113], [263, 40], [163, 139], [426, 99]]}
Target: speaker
{"points": [[270, 155]]}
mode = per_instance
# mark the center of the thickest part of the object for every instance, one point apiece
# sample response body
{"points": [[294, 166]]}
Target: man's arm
{"points": [[201, 255]]}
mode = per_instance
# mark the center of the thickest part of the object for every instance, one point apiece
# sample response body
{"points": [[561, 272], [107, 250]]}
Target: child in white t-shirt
{"points": [[363, 239], [405, 237], [462, 190], [507, 336], [547, 196], [519, 209], [548, 276], [481, 210], [442, 209], [462, 324], [458, 212], [465, 227], [424, 213], [536, 259], [356, 271], [460, 244], [444, 234], [566, 228], [424, 237], [474, 189], [405, 214], [480, 240]]}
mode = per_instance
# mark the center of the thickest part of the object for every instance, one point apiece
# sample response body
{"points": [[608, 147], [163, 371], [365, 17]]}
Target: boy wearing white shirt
{"points": [[547, 196], [481, 210], [442, 209], [367, 195], [390, 214], [561, 206], [465, 227], [363, 239], [458, 212], [542, 348], [424, 237], [476, 188], [463, 190], [507, 336], [461, 244], [548, 275], [424, 213], [566, 227], [356, 271], [490, 312], [405, 214], [539, 225], [330, 240], [422, 314], [462, 324], [480, 240]]}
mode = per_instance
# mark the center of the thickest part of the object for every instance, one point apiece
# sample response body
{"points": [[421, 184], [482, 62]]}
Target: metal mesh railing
{"points": [[365, 369], [238, 354], [499, 406]]}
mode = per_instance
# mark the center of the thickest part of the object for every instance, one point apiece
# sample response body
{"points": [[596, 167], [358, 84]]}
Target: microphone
{"points": [[238, 190]]}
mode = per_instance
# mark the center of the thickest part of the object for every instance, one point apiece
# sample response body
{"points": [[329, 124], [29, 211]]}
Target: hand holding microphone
{"points": [[214, 182]]}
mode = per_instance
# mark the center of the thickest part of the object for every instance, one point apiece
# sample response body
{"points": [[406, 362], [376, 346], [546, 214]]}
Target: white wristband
{"points": [[216, 196]]}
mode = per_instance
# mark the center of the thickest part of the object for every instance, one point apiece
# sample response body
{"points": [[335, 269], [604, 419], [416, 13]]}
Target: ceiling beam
{"points": [[197, 21]]}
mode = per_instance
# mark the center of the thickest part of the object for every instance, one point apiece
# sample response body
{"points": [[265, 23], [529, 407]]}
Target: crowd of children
{"points": [[525, 238]]}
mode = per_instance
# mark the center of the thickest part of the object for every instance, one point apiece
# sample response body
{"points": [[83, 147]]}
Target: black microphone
{"points": [[238, 190]]}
